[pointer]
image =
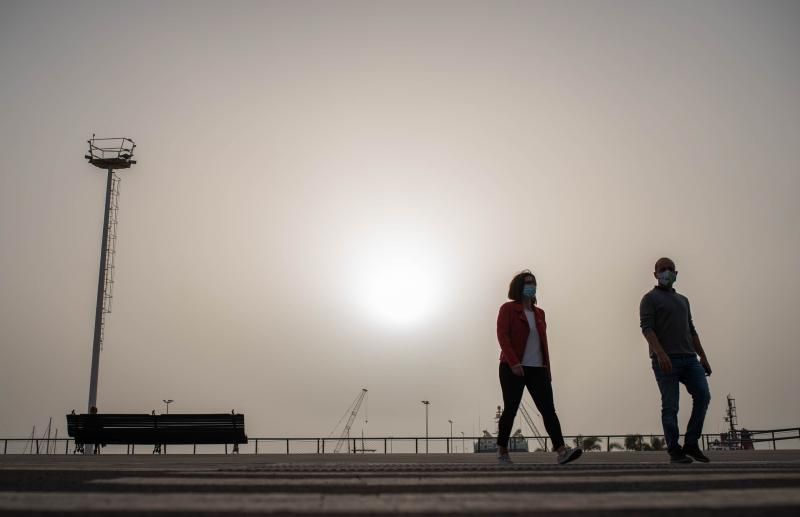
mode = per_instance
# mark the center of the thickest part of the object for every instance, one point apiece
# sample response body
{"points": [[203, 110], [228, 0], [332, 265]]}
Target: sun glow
{"points": [[398, 283]]}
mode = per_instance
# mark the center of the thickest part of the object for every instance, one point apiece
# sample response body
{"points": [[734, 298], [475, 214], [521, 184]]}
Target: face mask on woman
{"points": [[529, 291]]}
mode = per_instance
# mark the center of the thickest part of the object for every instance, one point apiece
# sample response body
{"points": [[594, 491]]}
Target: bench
{"points": [[156, 430]]}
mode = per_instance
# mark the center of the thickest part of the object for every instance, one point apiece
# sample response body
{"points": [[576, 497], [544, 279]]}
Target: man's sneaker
{"points": [[504, 459], [695, 452], [677, 455], [568, 454]]}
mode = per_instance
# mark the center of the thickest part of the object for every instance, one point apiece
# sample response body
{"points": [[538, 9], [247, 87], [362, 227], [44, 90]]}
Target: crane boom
{"points": [[527, 417], [346, 433]]}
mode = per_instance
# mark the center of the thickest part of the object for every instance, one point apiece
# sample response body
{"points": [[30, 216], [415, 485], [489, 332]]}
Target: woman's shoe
{"points": [[569, 454], [504, 459]]}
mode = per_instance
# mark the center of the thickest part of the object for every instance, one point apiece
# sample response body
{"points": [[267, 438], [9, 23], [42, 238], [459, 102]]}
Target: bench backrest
{"points": [[151, 429]]}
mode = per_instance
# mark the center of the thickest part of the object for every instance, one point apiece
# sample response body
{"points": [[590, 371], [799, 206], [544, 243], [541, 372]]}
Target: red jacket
{"points": [[513, 331]]}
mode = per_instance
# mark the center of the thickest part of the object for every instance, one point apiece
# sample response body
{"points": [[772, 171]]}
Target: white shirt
{"points": [[533, 348]]}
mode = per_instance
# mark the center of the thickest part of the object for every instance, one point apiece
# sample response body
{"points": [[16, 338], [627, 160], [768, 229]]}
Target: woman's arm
{"points": [[504, 336]]}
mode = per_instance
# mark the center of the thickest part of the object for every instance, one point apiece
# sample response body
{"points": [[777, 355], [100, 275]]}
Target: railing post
{"points": [[226, 449], [323, 446], [194, 448], [354, 445], [256, 445], [546, 448], [37, 443], [5, 447], [66, 446], [385, 451], [416, 445], [317, 445], [608, 444], [773, 442], [287, 446]]}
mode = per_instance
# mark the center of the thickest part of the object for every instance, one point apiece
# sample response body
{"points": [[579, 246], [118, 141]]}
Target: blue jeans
{"points": [[686, 369]]}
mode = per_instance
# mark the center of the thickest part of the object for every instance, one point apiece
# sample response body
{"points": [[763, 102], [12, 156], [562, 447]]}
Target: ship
{"points": [[488, 443]]}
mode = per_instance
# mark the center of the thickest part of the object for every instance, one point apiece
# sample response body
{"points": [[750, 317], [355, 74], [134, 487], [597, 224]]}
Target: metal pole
{"points": [[451, 437], [98, 315], [426, 403]]}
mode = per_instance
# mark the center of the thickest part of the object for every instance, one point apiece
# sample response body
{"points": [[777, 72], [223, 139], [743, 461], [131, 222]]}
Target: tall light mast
{"points": [[109, 154]]}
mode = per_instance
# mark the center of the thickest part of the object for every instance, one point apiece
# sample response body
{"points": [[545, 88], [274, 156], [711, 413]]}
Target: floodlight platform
{"points": [[111, 153]]}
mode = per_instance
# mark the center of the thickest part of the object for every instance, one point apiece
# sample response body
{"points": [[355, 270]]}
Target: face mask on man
{"points": [[667, 278], [529, 291]]}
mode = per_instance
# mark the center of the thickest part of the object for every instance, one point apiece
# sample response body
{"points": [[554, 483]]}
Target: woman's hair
{"points": [[518, 284]]}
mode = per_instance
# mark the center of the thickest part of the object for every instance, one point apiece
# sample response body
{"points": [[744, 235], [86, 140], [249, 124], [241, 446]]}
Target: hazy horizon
{"points": [[335, 195]]}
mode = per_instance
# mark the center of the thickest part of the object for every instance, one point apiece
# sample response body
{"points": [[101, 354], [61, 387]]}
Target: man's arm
{"points": [[663, 359], [698, 347], [647, 319]]}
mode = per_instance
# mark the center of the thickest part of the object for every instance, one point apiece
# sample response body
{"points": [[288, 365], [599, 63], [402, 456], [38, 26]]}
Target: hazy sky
{"points": [[334, 195]]}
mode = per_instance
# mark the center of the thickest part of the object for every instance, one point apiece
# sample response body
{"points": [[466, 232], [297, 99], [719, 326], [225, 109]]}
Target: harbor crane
{"points": [[353, 411], [527, 417]]}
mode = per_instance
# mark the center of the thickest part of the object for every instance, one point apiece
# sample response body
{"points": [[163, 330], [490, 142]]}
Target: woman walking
{"points": [[525, 362]]}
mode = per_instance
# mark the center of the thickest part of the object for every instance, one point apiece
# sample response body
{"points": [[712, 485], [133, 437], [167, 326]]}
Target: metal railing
{"points": [[402, 444]]}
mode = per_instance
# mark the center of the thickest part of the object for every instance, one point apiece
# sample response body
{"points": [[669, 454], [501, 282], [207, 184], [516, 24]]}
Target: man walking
{"points": [[666, 322]]}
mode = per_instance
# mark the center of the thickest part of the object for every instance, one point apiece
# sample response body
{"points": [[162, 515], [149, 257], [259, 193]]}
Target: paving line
{"points": [[438, 481], [451, 502]]}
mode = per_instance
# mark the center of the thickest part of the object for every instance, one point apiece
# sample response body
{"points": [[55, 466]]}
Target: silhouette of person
{"points": [[95, 427], [525, 362], [666, 321]]}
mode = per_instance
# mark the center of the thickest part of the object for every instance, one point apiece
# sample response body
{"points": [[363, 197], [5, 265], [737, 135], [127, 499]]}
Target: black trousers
{"points": [[540, 388]]}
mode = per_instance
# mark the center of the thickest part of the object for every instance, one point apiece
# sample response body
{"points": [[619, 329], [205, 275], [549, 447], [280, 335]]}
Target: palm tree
{"points": [[587, 443], [633, 442], [591, 443], [657, 443]]}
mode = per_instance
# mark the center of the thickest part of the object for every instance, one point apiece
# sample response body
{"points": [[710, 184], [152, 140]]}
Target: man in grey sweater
{"points": [[666, 321]]}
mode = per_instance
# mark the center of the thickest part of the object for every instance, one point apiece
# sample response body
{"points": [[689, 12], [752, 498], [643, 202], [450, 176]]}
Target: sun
{"points": [[398, 282]]}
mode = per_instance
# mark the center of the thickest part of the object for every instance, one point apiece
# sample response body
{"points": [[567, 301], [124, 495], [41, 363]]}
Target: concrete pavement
{"points": [[600, 483]]}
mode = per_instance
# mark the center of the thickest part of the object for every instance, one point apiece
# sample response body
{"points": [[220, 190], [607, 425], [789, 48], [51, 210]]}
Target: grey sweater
{"points": [[668, 314]]}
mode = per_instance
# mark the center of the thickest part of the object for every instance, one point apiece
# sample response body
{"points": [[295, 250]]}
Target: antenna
{"points": [[108, 154]]}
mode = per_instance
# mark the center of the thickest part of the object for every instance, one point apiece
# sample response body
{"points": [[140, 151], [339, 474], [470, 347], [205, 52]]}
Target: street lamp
{"points": [[450, 444], [426, 403], [167, 402]]}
